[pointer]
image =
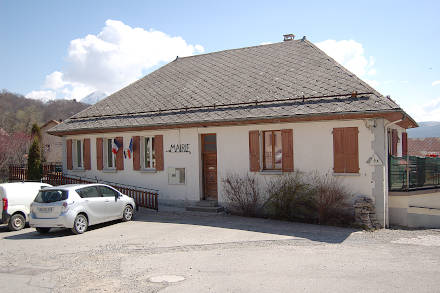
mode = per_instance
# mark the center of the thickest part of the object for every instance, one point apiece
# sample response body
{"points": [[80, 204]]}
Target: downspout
{"points": [[386, 170]]}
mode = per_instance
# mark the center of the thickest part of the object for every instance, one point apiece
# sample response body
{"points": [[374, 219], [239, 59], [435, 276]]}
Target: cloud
{"points": [[42, 95], [437, 82], [113, 58], [351, 55], [429, 111]]}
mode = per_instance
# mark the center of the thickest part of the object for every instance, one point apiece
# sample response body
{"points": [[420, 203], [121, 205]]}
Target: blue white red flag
{"points": [[130, 148], [115, 146]]}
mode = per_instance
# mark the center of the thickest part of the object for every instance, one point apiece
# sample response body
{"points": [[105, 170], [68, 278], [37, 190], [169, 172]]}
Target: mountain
{"points": [[18, 113], [93, 98], [425, 129]]}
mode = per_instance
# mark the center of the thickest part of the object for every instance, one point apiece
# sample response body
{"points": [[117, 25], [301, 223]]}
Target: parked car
{"points": [[79, 206], [16, 199]]}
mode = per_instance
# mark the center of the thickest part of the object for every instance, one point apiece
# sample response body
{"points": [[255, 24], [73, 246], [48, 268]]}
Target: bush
{"points": [[242, 194], [331, 200], [289, 197], [35, 168]]}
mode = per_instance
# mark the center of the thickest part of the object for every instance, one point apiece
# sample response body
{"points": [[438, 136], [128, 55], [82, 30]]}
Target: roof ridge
{"points": [[236, 49]]}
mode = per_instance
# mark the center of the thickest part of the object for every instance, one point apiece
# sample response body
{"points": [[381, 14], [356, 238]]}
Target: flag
{"points": [[130, 148], [115, 146]]}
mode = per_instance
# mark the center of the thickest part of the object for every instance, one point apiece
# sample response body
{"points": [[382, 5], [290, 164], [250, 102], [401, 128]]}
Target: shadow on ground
{"points": [[31, 233], [321, 233]]}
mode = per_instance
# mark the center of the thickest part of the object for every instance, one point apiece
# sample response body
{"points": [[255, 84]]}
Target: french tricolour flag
{"points": [[115, 146]]}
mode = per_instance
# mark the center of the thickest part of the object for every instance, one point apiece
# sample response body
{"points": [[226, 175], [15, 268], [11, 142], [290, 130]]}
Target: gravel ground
{"points": [[172, 251]]}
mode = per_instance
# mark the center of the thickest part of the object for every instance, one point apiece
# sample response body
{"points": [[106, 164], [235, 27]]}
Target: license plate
{"points": [[45, 210]]}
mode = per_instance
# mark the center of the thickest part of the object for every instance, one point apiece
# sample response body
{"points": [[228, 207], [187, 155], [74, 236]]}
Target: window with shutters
{"points": [[148, 155], [272, 150], [108, 154], [345, 150], [78, 154]]}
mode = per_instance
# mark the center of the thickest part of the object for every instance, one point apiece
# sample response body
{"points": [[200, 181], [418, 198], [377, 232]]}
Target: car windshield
{"points": [[46, 196]]}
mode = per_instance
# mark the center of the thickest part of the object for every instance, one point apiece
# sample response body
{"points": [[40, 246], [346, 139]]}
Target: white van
{"points": [[16, 199]]}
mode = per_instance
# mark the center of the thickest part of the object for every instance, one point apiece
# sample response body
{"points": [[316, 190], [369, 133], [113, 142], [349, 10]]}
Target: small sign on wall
{"points": [[176, 176]]}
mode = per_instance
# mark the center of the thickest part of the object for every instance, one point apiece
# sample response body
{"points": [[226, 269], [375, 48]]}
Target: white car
{"points": [[16, 199], [78, 206]]}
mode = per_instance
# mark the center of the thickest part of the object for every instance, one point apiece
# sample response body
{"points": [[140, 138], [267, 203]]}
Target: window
{"points": [[345, 150], [87, 192], [78, 159], [148, 154], [272, 150], [107, 192], [47, 196], [109, 156]]}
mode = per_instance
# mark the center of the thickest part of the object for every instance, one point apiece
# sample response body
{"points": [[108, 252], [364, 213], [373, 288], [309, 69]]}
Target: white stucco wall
{"points": [[313, 150]]}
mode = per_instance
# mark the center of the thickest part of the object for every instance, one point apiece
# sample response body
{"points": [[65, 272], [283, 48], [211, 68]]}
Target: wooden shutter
{"points": [[394, 138], [254, 151], [351, 149], [404, 144], [287, 147], [338, 150], [86, 147], [69, 154], [120, 154], [345, 150], [136, 153], [158, 151], [99, 162]]}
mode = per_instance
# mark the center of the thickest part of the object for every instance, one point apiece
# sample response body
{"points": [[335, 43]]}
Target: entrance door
{"points": [[209, 157]]}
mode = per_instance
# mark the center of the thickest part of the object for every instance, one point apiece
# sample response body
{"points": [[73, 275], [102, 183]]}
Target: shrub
{"points": [[289, 197], [34, 161], [331, 200], [242, 194]]}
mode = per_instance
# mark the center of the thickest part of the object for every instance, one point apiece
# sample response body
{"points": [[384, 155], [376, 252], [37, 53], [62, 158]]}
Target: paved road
{"points": [[180, 252]]}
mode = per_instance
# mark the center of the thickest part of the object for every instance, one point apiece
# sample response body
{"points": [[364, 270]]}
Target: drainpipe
{"points": [[386, 167]]}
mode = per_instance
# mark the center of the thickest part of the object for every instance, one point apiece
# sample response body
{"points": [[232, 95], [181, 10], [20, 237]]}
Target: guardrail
{"points": [[144, 197], [412, 173]]}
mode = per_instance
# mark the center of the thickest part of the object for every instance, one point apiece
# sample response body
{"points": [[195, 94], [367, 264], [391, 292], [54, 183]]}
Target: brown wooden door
{"points": [[209, 157]]}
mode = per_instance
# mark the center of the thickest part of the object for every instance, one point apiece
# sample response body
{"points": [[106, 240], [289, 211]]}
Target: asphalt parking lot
{"points": [[171, 251]]}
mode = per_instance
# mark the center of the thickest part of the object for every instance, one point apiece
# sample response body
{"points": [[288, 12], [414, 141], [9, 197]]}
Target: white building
{"points": [[268, 109]]}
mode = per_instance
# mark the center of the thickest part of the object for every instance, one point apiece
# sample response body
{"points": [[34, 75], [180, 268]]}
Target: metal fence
{"points": [[19, 172], [144, 197], [410, 173]]}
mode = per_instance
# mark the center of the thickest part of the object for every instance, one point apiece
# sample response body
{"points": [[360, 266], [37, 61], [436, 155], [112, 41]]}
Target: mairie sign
{"points": [[179, 148]]}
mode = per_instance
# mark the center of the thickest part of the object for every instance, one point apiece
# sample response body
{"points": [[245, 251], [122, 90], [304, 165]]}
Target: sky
{"points": [[69, 49]]}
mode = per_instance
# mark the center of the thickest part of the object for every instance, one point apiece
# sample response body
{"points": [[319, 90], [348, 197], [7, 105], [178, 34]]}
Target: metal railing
{"points": [[52, 174], [412, 173]]}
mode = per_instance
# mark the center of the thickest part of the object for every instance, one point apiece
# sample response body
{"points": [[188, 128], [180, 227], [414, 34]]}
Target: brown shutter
{"points": [[404, 144], [394, 142], [287, 147], [136, 153], [351, 149], [69, 154], [87, 163], [158, 151], [254, 151], [120, 154], [99, 162], [338, 150]]}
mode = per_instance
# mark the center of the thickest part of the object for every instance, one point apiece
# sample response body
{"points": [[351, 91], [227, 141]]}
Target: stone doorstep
{"points": [[207, 206]]}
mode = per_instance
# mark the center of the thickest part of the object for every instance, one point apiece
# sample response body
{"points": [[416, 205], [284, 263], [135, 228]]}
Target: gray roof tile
{"points": [[286, 70]]}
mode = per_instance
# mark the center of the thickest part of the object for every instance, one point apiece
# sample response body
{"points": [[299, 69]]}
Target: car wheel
{"points": [[127, 215], [42, 230], [80, 224], [16, 222]]}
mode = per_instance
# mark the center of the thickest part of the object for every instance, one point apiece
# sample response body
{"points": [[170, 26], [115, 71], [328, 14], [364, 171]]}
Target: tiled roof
{"points": [[284, 79], [424, 146]]}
